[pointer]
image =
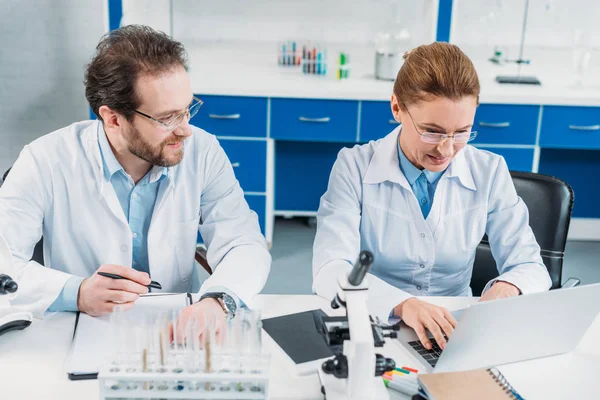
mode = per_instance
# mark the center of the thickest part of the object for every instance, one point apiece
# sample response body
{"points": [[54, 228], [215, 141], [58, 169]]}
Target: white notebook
{"points": [[93, 335]]}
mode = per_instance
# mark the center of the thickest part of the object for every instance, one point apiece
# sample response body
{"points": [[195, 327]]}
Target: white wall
{"points": [[331, 21], [551, 23], [44, 46]]}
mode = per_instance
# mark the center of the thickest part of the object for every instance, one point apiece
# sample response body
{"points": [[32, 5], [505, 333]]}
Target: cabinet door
{"points": [[314, 120], [506, 124], [302, 172], [232, 116], [516, 159], [570, 127], [249, 161], [376, 120]]}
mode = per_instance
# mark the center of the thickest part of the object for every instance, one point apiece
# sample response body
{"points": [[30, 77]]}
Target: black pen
{"points": [[153, 284]]}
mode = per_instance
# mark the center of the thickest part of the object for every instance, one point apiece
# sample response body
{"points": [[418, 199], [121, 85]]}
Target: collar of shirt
{"points": [[384, 165], [112, 165], [412, 173]]}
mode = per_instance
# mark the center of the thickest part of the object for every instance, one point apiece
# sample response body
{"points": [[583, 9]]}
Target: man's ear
{"points": [[112, 120]]}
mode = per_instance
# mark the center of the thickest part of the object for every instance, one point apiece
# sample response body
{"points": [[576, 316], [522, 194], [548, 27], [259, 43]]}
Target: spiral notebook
{"points": [[478, 384]]}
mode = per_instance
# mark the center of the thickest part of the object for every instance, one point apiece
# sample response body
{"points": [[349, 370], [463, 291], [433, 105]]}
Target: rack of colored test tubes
{"points": [[311, 58], [314, 60], [289, 54], [149, 363]]}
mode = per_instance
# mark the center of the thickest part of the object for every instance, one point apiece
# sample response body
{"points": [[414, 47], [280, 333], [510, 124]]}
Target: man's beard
{"points": [[155, 155]]}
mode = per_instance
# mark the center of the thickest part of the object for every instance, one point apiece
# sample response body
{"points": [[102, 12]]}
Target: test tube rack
{"points": [[150, 363], [173, 382]]}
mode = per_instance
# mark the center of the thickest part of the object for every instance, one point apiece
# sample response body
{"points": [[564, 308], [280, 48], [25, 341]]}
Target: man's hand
{"points": [[198, 319], [421, 315], [98, 295], [500, 290]]}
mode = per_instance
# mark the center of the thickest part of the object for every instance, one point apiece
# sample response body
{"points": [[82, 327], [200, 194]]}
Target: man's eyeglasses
{"points": [[435, 138], [171, 122]]}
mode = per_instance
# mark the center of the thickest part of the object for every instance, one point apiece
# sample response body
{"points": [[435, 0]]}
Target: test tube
{"points": [[209, 345], [160, 337]]}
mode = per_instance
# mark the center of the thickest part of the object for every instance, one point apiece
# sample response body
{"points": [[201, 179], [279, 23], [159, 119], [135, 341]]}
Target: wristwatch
{"points": [[226, 301]]}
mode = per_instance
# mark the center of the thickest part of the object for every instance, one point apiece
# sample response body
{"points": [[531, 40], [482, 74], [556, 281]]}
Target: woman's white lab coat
{"points": [[369, 205]]}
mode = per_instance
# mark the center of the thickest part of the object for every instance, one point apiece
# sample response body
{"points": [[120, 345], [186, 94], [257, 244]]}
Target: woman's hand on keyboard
{"points": [[423, 316]]}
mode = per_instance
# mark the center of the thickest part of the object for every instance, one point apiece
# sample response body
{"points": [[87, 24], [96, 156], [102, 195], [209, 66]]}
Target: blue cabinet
{"points": [[376, 120], [517, 159], [232, 116], [314, 120], [249, 161], [258, 204], [580, 169], [571, 127], [506, 124], [302, 172]]}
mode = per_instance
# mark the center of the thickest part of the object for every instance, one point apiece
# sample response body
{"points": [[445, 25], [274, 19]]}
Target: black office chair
{"points": [[550, 203], [38, 250]]}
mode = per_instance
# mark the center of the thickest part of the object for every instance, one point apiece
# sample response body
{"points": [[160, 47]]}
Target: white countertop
{"points": [[250, 69], [32, 361]]}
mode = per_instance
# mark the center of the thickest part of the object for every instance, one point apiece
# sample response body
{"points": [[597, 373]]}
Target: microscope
{"points": [[356, 372], [10, 318]]}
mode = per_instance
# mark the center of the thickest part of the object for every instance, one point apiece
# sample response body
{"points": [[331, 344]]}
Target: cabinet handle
{"points": [[585, 127], [235, 164], [324, 119], [228, 116], [393, 122], [495, 124]]}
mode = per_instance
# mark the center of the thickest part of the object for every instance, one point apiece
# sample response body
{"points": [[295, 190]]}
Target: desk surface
{"points": [[32, 362]]}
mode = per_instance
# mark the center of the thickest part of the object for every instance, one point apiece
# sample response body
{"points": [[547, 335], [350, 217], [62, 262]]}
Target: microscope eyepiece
{"points": [[7, 285], [361, 267]]}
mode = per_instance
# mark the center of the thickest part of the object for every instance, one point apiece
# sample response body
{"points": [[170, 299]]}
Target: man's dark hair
{"points": [[121, 57]]}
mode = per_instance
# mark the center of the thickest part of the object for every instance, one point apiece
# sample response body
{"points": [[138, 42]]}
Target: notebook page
{"points": [[93, 336]]}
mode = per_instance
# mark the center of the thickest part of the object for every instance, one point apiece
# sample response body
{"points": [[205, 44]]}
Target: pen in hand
{"points": [[153, 284]]}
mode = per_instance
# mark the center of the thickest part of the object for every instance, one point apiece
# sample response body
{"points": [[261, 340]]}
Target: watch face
{"points": [[229, 303]]}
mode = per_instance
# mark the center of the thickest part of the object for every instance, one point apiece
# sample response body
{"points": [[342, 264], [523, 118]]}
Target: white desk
{"points": [[32, 361]]}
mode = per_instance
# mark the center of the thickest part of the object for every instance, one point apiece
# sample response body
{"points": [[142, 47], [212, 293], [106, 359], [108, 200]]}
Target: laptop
{"points": [[510, 330]]}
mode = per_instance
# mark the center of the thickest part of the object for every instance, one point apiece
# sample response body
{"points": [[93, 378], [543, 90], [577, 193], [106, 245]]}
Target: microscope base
{"points": [[14, 320], [335, 389]]}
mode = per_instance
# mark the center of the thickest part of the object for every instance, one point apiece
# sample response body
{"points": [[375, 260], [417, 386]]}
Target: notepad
{"points": [[92, 341], [478, 384]]}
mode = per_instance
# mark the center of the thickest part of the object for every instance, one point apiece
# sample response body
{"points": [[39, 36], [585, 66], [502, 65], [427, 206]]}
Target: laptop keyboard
{"points": [[431, 356]]}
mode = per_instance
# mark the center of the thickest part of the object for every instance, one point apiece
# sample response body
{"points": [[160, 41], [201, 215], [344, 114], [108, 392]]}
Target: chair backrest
{"points": [[550, 203]]}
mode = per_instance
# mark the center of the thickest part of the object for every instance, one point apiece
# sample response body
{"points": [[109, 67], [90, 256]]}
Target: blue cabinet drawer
{"points": [[516, 159], [571, 127], [315, 120], [249, 161], [376, 120], [506, 124], [258, 203], [232, 116]]}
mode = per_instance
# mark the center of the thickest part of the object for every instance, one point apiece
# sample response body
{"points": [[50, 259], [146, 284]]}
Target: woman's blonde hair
{"points": [[438, 69]]}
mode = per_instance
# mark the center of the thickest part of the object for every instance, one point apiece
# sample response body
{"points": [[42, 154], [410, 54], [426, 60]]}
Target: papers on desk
{"points": [[93, 338]]}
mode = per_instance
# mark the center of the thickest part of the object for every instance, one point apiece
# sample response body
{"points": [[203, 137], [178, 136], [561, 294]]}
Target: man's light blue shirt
{"points": [[422, 182], [137, 201]]}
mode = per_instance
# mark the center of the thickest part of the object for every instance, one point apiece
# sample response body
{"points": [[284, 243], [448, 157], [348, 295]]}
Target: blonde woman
{"points": [[421, 199]]}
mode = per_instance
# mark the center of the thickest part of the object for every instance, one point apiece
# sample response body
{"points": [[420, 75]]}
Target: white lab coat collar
{"points": [[459, 168], [384, 165]]}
